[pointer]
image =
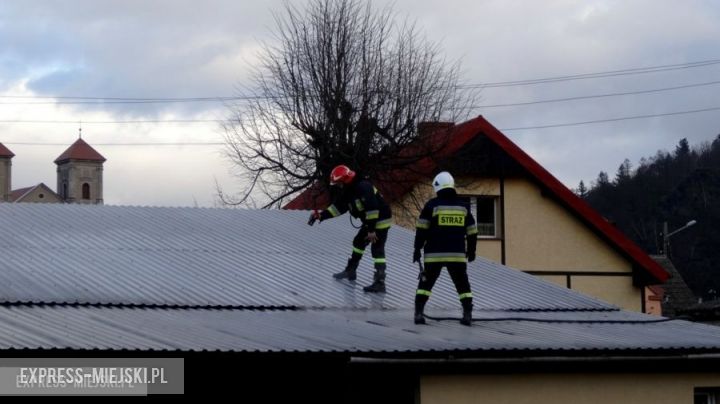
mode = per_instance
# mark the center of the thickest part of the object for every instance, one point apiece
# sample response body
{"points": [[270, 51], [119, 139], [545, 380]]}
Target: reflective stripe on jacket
{"points": [[446, 229], [363, 201]]}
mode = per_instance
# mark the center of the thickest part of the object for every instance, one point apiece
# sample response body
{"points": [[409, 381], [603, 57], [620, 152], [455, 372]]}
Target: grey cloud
{"points": [[188, 48]]}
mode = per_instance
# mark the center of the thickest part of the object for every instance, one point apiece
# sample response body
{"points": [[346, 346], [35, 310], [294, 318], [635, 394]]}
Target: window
{"points": [[705, 395], [86, 191], [486, 210]]}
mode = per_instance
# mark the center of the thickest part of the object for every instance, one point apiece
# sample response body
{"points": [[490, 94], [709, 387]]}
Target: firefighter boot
{"points": [[419, 315], [350, 271], [467, 315], [378, 285]]}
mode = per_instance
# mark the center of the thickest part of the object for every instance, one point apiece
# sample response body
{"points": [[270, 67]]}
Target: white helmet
{"points": [[442, 181]]}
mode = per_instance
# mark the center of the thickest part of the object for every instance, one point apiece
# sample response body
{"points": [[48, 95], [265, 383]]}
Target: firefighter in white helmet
{"points": [[447, 232]]}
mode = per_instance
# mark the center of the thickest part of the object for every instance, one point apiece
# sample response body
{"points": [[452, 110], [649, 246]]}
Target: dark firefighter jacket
{"points": [[446, 229], [363, 201]]}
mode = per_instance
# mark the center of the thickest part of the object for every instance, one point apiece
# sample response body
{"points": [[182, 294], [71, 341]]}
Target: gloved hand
{"points": [[314, 216], [471, 256], [416, 256], [372, 237]]}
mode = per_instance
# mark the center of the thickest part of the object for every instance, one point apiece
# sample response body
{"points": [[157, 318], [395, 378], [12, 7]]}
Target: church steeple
{"points": [[80, 174]]}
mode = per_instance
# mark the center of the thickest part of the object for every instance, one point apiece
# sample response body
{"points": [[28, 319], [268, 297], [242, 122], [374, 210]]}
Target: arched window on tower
{"points": [[86, 191]]}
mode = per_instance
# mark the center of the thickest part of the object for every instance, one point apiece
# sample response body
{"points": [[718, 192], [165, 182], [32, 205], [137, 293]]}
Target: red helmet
{"points": [[341, 175]]}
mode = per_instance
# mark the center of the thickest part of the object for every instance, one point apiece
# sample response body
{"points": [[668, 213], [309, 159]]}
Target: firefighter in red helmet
{"points": [[359, 197]]}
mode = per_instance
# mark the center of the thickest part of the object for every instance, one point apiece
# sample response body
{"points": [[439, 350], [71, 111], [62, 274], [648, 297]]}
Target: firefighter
{"points": [[363, 200], [447, 232]]}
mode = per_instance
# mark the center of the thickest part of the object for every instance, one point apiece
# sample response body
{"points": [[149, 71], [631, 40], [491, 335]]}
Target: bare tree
{"points": [[343, 84]]}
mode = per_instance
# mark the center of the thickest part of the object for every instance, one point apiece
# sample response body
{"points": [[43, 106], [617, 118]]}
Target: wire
{"points": [[626, 118], [75, 122], [353, 224], [585, 97], [102, 101], [611, 73], [139, 100], [122, 144], [557, 125], [123, 100]]}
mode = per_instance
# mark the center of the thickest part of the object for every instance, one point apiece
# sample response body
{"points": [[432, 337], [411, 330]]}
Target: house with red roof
{"points": [[527, 218], [79, 178]]}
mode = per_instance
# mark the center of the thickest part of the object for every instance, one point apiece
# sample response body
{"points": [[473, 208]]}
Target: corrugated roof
{"points": [[227, 257], [165, 272], [354, 331]]}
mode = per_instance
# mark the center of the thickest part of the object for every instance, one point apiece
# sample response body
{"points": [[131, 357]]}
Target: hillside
{"points": [[674, 187]]}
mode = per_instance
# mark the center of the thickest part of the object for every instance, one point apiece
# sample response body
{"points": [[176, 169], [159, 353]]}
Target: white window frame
{"points": [[496, 226]]}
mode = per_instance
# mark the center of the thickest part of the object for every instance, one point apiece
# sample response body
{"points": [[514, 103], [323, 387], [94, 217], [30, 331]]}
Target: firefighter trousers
{"points": [[458, 274], [377, 248]]}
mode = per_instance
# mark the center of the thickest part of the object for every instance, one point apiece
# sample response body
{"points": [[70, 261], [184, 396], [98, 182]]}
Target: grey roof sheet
{"points": [[145, 262], [226, 257], [339, 330]]}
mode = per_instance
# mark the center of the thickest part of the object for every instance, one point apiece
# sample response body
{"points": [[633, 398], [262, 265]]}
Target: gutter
{"points": [[519, 360]]}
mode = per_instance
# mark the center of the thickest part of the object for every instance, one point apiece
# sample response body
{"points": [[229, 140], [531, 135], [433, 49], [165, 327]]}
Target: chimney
{"points": [[426, 128], [5, 173]]}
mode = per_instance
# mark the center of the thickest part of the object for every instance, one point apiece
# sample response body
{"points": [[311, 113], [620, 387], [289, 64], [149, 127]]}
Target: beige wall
{"points": [[41, 195], [564, 388], [5, 179], [490, 249], [542, 235], [618, 290]]}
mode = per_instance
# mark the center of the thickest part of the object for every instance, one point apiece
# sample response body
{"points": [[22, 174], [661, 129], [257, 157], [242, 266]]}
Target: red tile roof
{"points": [[80, 151], [16, 194], [459, 136], [5, 152]]}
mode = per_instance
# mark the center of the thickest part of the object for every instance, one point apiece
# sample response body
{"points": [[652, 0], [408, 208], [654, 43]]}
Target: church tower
{"points": [[5, 173], [80, 174]]}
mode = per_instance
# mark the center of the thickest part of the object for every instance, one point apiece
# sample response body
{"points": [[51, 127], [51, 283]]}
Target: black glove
{"points": [[471, 256], [416, 256], [314, 216]]}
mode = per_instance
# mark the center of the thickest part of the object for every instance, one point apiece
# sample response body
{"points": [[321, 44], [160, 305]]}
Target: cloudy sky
{"points": [[52, 53]]}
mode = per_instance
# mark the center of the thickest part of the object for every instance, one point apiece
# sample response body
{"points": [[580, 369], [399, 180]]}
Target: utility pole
{"points": [[666, 236]]}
